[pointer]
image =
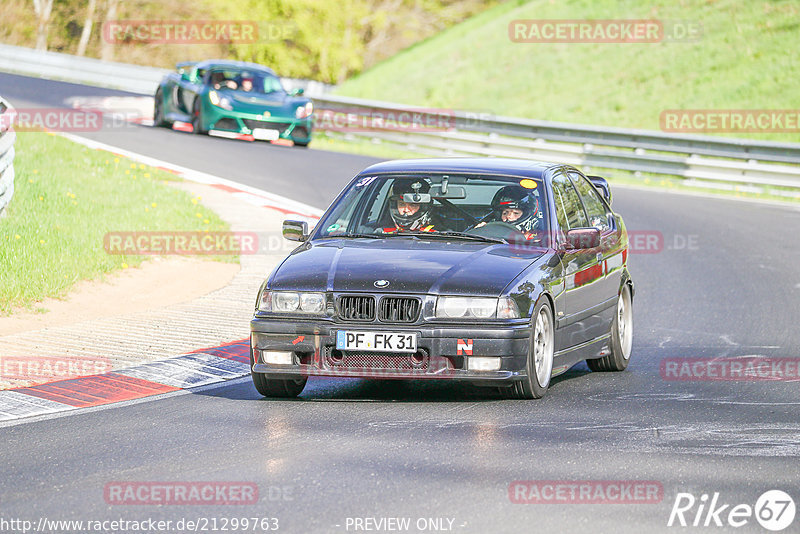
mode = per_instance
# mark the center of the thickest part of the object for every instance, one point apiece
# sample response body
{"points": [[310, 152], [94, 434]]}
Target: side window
{"points": [[378, 202], [595, 209], [569, 209]]}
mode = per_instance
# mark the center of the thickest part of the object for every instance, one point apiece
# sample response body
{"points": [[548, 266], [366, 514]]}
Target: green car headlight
{"points": [[220, 102], [304, 111]]}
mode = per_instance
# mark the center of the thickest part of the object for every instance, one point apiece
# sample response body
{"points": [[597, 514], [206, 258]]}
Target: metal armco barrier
{"points": [[7, 137], [715, 159], [706, 159]]}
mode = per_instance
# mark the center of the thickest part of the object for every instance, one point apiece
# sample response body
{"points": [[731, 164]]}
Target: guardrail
{"points": [[710, 161], [112, 74], [701, 158], [7, 138]]}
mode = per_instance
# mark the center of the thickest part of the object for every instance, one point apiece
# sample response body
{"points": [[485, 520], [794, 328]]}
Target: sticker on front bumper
{"points": [[265, 134], [376, 341]]}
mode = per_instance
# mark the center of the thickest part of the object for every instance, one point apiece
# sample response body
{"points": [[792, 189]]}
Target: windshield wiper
{"points": [[459, 235], [354, 236]]}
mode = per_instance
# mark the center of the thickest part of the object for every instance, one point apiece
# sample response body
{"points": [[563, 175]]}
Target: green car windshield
{"points": [[483, 208], [246, 81]]}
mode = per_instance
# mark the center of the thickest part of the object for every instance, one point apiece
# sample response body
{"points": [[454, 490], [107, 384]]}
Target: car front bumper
{"points": [[222, 120], [442, 351]]}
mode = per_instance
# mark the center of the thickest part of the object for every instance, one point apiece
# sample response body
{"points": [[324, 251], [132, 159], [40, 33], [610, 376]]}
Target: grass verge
{"points": [[739, 61], [67, 197]]}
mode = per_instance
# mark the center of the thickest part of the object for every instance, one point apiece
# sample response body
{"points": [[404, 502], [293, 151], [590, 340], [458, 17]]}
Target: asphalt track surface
{"points": [[724, 283]]}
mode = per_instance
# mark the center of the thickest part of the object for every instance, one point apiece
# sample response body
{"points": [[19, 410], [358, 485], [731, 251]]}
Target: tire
{"points": [[621, 340], [302, 145], [540, 355], [158, 111], [276, 387], [197, 118]]}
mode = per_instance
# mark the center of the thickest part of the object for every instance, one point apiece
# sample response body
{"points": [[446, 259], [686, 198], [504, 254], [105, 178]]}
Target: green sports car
{"points": [[233, 99]]}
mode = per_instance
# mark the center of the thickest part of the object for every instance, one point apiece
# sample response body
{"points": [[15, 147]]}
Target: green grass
{"points": [[746, 59], [67, 197]]}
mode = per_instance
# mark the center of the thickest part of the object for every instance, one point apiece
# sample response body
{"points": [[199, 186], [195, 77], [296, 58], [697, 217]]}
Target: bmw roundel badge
{"points": [[381, 283]]}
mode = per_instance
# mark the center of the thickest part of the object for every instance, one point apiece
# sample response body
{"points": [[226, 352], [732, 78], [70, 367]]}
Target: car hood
{"points": [[275, 104], [417, 266]]}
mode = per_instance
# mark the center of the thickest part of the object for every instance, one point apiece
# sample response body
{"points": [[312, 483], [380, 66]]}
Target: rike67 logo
{"points": [[774, 510]]}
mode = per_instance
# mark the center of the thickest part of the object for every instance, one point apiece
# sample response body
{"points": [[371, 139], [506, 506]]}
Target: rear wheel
{"points": [[621, 341], [197, 117], [540, 356]]}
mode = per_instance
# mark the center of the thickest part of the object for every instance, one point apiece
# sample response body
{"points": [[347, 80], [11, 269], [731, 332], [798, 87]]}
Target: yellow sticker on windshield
{"points": [[528, 184]]}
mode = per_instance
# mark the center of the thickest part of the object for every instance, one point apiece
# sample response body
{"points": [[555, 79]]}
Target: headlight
{"points": [[476, 307], [304, 111], [222, 102], [292, 302]]}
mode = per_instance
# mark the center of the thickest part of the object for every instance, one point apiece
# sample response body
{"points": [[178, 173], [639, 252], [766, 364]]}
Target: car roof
{"points": [[230, 64], [508, 166]]}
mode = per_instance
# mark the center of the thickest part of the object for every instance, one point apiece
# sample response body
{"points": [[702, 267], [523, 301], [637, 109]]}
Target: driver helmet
{"points": [[421, 216], [518, 198]]}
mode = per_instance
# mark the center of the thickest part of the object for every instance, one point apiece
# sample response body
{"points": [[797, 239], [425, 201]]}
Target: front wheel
{"points": [[621, 336], [158, 110], [278, 387], [540, 355], [197, 118]]}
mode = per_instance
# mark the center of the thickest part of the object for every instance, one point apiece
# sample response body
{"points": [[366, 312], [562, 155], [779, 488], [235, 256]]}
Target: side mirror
{"points": [[602, 185], [295, 230], [297, 92], [580, 238]]}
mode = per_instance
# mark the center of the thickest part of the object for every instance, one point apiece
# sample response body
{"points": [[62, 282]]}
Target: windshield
{"points": [[245, 81], [487, 208]]}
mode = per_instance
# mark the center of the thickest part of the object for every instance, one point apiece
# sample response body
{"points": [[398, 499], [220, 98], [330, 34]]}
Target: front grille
{"points": [[384, 361], [300, 132], [226, 123], [253, 124], [357, 308], [399, 309]]}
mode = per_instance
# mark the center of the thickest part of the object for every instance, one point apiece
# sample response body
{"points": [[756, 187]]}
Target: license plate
{"points": [[376, 341], [264, 134]]}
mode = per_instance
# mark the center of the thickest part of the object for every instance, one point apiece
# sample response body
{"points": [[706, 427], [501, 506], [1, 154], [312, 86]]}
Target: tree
{"points": [[106, 44], [42, 8], [86, 33]]}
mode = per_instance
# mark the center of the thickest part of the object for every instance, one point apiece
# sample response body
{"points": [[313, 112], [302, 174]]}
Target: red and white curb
{"points": [[199, 368], [249, 194]]}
